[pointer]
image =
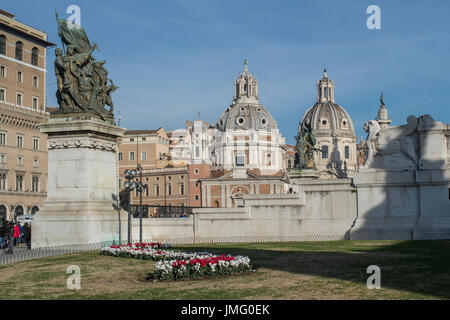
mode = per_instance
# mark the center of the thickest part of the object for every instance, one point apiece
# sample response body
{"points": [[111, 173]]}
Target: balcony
{"points": [[27, 110]]}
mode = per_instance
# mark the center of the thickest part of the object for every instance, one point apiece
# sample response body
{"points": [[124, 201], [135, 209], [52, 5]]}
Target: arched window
{"points": [[3, 45], [34, 56], [34, 209], [18, 211], [19, 51], [2, 213]]}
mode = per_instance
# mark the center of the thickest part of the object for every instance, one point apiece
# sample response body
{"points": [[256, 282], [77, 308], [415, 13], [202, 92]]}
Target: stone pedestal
{"points": [[81, 181], [303, 173]]}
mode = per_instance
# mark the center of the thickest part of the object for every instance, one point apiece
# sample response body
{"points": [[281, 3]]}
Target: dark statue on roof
{"points": [[83, 84], [306, 141]]}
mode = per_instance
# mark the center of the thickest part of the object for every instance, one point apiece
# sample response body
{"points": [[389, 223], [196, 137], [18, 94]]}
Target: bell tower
{"points": [[325, 89], [245, 87]]}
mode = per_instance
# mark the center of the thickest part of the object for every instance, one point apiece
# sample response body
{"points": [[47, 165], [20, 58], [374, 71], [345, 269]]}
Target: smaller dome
{"points": [[328, 116]]}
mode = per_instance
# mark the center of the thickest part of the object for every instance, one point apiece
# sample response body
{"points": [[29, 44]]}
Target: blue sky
{"points": [[173, 59]]}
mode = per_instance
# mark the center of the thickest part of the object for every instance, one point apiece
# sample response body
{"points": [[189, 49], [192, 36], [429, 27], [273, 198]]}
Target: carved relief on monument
{"points": [[415, 145], [82, 142], [394, 147]]}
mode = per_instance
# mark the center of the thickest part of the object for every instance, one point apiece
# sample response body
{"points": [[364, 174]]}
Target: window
{"points": [[197, 184], [347, 152], [120, 156], [34, 56], [35, 81], [19, 51], [144, 139], [240, 161], [3, 45], [35, 184], [2, 138], [35, 103], [19, 182], [157, 190], [169, 189], [182, 189], [132, 156], [144, 155], [3, 179], [19, 161], [2, 94], [19, 99], [2, 71], [19, 76], [19, 141], [196, 197], [195, 171], [131, 139], [181, 177], [35, 163], [324, 152]]}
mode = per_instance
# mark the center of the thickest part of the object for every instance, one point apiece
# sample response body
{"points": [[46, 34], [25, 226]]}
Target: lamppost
{"points": [[130, 174]]}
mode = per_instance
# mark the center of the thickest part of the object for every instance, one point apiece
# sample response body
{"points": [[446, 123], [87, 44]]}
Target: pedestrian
{"points": [[16, 234], [2, 236], [20, 240], [10, 237], [27, 234]]}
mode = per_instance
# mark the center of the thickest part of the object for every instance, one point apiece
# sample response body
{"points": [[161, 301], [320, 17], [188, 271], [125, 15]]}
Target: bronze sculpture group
{"points": [[306, 141], [82, 81]]}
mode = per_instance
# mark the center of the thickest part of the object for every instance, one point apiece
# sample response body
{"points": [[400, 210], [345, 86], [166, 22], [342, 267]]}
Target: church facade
{"points": [[247, 152]]}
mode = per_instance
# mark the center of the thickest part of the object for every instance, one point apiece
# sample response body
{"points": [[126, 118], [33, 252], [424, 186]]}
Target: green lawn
{"points": [[292, 270]]}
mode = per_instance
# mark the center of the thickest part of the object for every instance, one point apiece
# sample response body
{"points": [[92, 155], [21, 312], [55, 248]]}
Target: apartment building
{"points": [[23, 148]]}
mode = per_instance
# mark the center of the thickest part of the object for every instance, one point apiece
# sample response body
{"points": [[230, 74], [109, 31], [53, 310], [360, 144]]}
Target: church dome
{"points": [[245, 113], [327, 117], [246, 117]]}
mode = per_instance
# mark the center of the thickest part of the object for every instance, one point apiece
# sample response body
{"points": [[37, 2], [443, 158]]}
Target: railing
{"points": [[161, 211], [23, 254], [28, 110]]}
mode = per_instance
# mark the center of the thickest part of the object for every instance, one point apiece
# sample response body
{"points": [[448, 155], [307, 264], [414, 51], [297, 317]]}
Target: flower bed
{"points": [[173, 265], [147, 251], [201, 266]]}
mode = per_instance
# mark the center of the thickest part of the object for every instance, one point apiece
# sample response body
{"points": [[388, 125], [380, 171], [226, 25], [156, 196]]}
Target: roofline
{"points": [[27, 35]]}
